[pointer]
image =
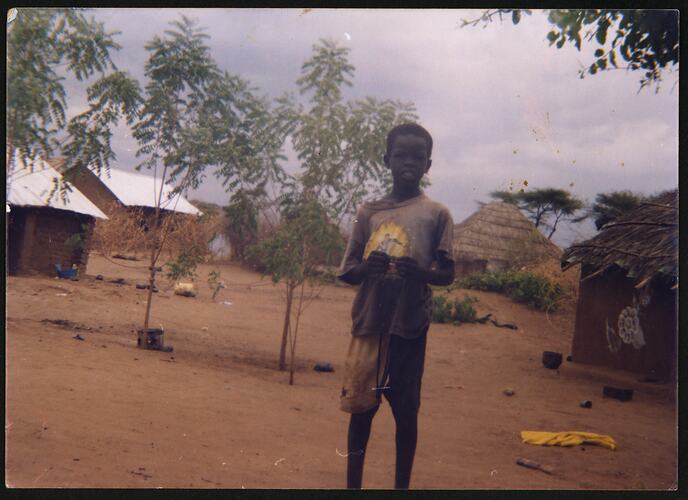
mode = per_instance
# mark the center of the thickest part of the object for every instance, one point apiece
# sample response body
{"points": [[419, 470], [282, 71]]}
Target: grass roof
{"points": [[497, 231], [643, 242]]}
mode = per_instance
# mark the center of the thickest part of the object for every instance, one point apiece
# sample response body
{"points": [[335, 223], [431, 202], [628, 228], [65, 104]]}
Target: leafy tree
{"points": [[545, 207], [609, 206], [194, 117], [305, 240], [644, 39], [340, 146], [42, 46]]}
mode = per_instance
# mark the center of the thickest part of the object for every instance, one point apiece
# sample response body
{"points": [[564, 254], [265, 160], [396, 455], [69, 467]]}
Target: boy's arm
{"points": [[408, 268]]}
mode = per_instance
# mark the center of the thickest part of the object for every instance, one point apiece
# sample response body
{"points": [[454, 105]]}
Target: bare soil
{"points": [[216, 413]]}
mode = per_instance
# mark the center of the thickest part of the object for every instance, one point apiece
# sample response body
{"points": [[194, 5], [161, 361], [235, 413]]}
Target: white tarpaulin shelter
{"points": [[35, 185]]}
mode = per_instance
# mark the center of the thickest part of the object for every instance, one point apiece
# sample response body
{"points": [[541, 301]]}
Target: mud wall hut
{"points": [[627, 309], [43, 228], [498, 236]]}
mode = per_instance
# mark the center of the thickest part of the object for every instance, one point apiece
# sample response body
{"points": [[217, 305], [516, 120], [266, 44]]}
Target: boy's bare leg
{"points": [[406, 438], [359, 432]]}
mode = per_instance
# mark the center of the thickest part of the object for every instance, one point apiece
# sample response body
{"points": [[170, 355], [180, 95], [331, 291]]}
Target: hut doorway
{"points": [[16, 222]]}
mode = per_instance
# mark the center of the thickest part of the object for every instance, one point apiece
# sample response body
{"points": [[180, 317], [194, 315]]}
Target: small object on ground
{"points": [[185, 289], [569, 358], [226, 303], [158, 269], [100, 277], [551, 360], [567, 438], [65, 273], [279, 461], [323, 367], [124, 257], [533, 465], [146, 286], [118, 281], [509, 391], [152, 339], [78, 337], [616, 393], [453, 387], [586, 403], [61, 294], [496, 323]]}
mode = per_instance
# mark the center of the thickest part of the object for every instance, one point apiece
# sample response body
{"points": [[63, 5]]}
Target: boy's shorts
{"points": [[397, 374]]}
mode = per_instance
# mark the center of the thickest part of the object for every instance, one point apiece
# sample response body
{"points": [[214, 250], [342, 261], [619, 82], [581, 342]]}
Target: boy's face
{"points": [[408, 160]]}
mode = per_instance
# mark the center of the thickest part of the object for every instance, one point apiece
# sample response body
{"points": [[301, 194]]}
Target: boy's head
{"points": [[409, 129], [409, 147]]}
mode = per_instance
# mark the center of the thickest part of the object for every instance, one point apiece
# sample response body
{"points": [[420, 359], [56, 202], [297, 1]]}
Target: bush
{"points": [[441, 309], [521, 286], [464, 312], [445, 310]]}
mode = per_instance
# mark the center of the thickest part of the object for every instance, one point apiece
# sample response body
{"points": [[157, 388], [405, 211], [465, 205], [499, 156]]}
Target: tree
{"points": [[196, 116], [609, 206], [41, 44], [340, 146], [305, 240], [545, 207], [646, 39]]}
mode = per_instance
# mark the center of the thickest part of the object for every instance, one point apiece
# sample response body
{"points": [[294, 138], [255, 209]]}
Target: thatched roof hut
{"points": [[498, 236], [642, 242], [627, 302]]}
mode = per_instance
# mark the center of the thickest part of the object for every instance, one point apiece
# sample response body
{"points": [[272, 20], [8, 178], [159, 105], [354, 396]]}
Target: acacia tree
{"points": [[41, 44], [339, 145], [545, 207], [609, 206], [645, 40], [195, 117]]}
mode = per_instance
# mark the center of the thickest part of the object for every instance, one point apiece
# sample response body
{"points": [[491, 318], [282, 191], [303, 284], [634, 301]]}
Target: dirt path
{"points": [[215, 413]]}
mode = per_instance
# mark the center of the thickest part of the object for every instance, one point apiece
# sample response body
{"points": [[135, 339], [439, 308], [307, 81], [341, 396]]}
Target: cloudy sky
{"points": [[503, 107]]}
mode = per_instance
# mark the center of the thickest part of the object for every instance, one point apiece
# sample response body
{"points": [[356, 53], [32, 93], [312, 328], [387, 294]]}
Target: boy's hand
{"points": [[407, 267], [378, 262]]}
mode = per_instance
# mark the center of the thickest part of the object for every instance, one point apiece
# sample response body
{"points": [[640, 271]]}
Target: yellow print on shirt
{"points": [[390, 238]]}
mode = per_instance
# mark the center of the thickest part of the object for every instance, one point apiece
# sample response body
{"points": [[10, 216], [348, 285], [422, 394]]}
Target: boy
{"points": [[392, 246]]}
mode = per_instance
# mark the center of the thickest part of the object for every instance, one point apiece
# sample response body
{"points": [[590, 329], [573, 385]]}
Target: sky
{"points": [[504, 108]]}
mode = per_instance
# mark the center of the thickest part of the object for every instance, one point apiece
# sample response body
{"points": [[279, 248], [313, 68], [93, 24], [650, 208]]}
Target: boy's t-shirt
{"points": [[418, 228]]}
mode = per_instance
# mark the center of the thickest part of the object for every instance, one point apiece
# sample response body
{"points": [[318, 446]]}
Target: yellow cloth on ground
{"points": [[571, 438]]}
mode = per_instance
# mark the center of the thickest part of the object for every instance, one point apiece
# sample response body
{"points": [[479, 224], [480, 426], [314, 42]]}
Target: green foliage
{"points": [[305, 239], [39, 41], [242, 224], [464, 312], [215, 282], [646, 39], [75, 241], [609, 206], [446, 310], [546, 207], [441, 309], [339, 144], [185, 264], [521, 286]]}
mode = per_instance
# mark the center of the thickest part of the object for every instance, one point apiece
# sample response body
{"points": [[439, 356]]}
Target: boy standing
{"points": [[393, 245]]}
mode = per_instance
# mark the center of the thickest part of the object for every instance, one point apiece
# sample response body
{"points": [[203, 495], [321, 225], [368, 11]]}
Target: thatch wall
{"points": [[500, 235]]}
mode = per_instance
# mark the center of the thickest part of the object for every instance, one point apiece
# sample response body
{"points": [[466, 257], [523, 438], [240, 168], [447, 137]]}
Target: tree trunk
{"points": [[285, 329]]}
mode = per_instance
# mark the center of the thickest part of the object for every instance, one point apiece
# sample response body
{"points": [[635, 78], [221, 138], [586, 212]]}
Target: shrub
{"points": [[464, 312], [446, 310], [521, 286]]}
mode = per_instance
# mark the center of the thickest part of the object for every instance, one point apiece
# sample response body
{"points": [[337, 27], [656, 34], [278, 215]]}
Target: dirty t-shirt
{"points": [[418, 228]]}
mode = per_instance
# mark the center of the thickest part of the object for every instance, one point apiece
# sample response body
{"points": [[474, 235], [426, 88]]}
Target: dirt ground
{"points": [[216, 413]]}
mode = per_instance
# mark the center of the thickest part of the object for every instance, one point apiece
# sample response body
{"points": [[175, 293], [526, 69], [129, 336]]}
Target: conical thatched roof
{"points": [[498, 231], [643, 242]]}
